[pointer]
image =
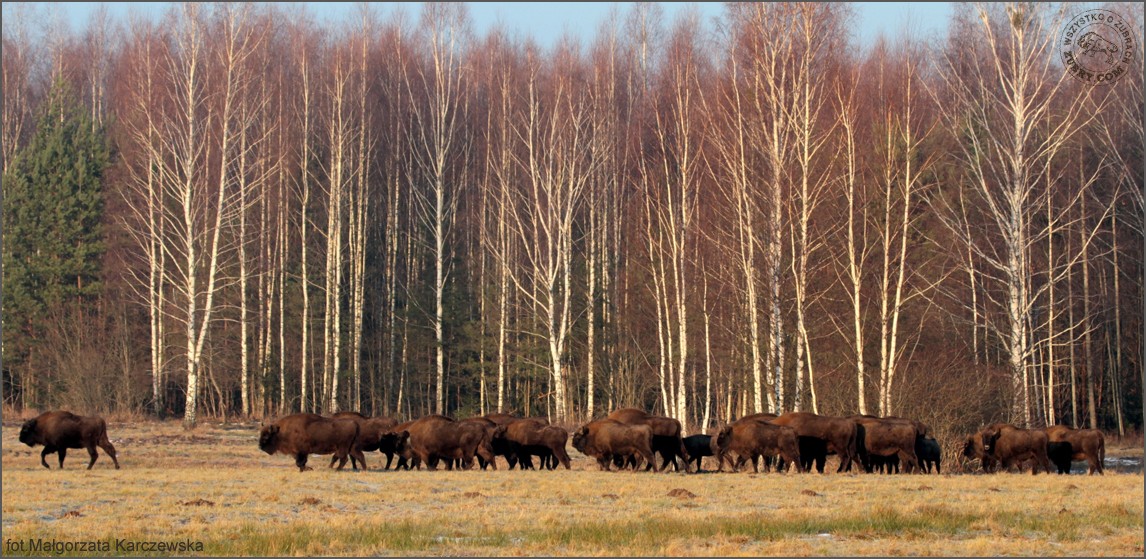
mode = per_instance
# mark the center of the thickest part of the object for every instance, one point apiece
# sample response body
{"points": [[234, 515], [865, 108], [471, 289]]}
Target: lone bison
{"points": [[1010, 445], [1085, 444], [60, 430], [303, 434], [605, 439]]}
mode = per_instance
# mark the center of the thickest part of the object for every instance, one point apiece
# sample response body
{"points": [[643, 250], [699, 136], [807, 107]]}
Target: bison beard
{"points": [[303, 434], [60, 430]]}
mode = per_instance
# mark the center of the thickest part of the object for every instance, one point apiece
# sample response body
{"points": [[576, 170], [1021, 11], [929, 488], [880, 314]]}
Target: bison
{"points": [[929, 453], [60, 430], [303, 434], [973, 450], [370, 433], [1086, 444], [1010, 445], [531, 437], [437, 437], [1060, 454], [605, 439], [397, 442], [888, 437], [667, 439], [751, 439], [697, 446], [838, 433]]}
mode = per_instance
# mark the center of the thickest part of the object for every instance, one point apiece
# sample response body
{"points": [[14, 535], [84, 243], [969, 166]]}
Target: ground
{"points": [[214, 487]]}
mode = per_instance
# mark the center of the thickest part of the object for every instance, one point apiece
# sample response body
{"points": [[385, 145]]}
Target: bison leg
{"points": [[300, 461], [357, 454], [63, 452], [559, 454], [43, 456], [94, 456], [105, 444]]}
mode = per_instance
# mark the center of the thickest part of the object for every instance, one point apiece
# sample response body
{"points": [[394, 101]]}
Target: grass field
{"points": [[214, 486]]}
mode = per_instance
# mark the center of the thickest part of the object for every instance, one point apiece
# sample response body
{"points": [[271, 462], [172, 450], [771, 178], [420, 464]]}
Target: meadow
{"points": [[214, 487]]}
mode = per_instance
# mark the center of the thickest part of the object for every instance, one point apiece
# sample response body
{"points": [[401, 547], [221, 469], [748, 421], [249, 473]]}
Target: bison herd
{"points": [[626, 438]]}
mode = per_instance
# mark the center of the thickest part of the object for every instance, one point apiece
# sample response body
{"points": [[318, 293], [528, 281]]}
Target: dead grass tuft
{"points": [[198, 503], [809, 493], [310, 501]]}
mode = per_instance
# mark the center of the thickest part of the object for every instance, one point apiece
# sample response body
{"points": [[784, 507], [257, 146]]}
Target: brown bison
{"points": [[605, 439], [838, 433], [397, 442], [60, 430], [506, 418], [303, 434], [437, 437], [1010, 445], [751, 439], [531, 437], [973, 450], [667, 439], [1085, 444], [370, 432], [888, 437]]}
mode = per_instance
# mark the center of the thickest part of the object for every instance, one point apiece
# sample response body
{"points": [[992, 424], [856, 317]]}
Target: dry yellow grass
{"points": [[214, 486]]}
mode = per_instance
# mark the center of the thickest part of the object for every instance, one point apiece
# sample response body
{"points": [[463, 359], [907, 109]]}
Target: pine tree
{"points": [[53, 239]]}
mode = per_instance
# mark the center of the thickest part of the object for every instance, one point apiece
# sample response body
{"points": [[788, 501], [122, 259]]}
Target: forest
{"points": [[239, 210]]}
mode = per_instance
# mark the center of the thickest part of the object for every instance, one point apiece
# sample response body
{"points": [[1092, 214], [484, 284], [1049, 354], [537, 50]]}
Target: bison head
{"points": [[28, 433], [969, 446], [394, 442], [579, 439], [721, 440], [269, 439], [990, 437]]}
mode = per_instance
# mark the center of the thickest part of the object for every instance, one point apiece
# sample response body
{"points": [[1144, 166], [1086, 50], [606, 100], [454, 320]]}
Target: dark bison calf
{"points": [[60, 430], [929, 453], [303, 434], [697, 446], [1060, 455]]}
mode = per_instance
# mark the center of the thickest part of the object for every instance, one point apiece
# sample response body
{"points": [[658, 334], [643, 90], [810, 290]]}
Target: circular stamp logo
{"points": [[1097, 46]]}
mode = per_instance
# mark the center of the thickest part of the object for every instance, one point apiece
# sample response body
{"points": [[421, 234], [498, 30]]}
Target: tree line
{"points": [[237, 210]]}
